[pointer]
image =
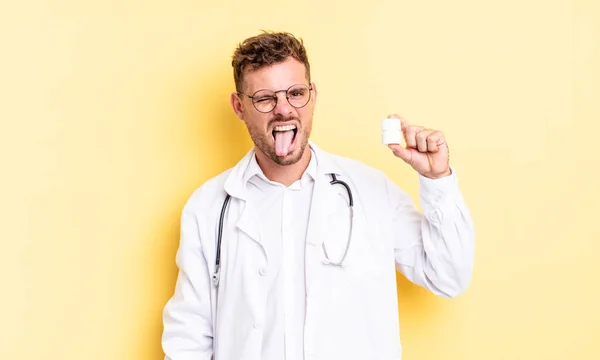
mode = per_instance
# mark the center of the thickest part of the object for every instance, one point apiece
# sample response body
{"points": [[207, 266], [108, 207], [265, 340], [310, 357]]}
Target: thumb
{"points": [[401, 152]]}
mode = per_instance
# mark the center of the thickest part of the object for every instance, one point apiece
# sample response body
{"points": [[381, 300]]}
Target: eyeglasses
{"points": [[265, 101]]}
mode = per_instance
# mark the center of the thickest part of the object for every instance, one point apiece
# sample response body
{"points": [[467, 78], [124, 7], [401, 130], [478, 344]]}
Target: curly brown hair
{"points": [[266, 49]]}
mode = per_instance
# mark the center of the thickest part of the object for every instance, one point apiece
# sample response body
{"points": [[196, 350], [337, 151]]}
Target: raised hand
{"points": [[426, 150]]}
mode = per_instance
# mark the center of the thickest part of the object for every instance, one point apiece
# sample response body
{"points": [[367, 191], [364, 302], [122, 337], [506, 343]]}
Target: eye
{"points": [[297, 93], [263, 99]]}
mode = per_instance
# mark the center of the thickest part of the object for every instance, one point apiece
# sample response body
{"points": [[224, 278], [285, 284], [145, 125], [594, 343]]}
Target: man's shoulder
{"points": [[207, 192], [356, 168]]}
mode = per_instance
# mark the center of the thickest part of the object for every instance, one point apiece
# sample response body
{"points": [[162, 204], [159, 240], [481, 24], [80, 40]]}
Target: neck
{"points": [[283, 174]]}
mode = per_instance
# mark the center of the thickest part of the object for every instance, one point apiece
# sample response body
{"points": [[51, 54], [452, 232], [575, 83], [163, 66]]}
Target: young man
{"points": [[292, 253]]}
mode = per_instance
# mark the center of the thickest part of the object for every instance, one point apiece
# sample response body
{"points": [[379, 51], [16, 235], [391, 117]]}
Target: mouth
{"points": [[293, 128], [284, 139]]}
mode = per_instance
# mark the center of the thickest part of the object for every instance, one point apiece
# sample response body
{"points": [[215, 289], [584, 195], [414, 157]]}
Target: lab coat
{"points": [[351, 311]]}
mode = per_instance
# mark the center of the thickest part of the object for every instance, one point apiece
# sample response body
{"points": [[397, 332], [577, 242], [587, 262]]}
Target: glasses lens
{"points": [[264, 100], [298, 95]]}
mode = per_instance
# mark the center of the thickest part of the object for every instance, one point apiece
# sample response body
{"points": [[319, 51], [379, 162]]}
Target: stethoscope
{"points": [[217, 274]]}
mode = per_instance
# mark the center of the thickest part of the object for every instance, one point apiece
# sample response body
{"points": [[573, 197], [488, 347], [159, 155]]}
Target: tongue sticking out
{"points": [[283, 140]]}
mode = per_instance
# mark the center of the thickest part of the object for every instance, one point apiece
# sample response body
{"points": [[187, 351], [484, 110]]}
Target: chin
{"points": [[290, 159]]}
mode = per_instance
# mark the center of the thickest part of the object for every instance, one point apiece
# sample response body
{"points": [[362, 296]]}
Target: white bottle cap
{"points": [[391, 132]]}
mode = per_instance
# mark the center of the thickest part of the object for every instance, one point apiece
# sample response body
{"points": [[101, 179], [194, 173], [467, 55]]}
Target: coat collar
{"points": [[235, 185]]}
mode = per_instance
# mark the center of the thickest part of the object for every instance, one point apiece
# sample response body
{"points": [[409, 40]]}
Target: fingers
{"points": [[410, 135], [401, 152], [434, 141], [420, 138], [403, 122]]}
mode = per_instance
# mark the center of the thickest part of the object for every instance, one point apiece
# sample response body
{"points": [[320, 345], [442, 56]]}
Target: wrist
{"points": [[444, 174]]}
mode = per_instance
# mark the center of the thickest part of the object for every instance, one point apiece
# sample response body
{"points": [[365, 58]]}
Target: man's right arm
{"points": [[187, 318]]}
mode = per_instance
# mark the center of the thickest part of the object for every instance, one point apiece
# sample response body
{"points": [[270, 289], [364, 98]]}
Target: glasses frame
{"points": [[310, 88]]}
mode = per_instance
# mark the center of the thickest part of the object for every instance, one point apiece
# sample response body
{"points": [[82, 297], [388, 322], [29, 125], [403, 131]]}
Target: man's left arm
{"points": [[435, 248]]}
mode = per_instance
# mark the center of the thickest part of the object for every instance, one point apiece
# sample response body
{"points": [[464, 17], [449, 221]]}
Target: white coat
{"points": [[352, 311]]}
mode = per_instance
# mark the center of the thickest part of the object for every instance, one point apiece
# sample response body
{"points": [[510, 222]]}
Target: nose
{"points": [[283, 107]]}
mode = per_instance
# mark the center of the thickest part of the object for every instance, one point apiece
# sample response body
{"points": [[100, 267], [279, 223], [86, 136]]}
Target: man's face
{"points": [[281, 134]]}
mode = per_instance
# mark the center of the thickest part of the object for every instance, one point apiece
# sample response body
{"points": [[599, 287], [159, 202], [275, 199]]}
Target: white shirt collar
{"points": [[253, 169], [235, 186]]}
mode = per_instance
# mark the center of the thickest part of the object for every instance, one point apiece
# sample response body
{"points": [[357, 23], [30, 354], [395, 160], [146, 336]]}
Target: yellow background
{"points": [[113, 112]]}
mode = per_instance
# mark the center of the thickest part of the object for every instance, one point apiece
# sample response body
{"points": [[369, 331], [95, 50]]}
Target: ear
{"points": [[236, 104], [314, 93]]}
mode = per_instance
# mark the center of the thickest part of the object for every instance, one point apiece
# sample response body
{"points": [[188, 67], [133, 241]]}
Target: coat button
{"points": [[435, 217], [262, 271]]}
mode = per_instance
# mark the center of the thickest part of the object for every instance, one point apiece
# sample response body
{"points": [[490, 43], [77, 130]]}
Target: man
{"points": [[275, 265]]}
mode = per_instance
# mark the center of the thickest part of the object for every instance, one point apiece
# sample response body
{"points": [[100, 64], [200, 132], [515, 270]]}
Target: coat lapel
{"points": [[248, 224], [234, 186], [325, 195]]}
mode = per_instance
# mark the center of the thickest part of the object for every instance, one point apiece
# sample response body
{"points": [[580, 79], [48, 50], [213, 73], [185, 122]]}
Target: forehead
{"points": [[276, 77]]}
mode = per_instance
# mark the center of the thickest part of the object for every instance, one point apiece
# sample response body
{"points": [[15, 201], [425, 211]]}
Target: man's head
{"points": [[274, 94]]}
